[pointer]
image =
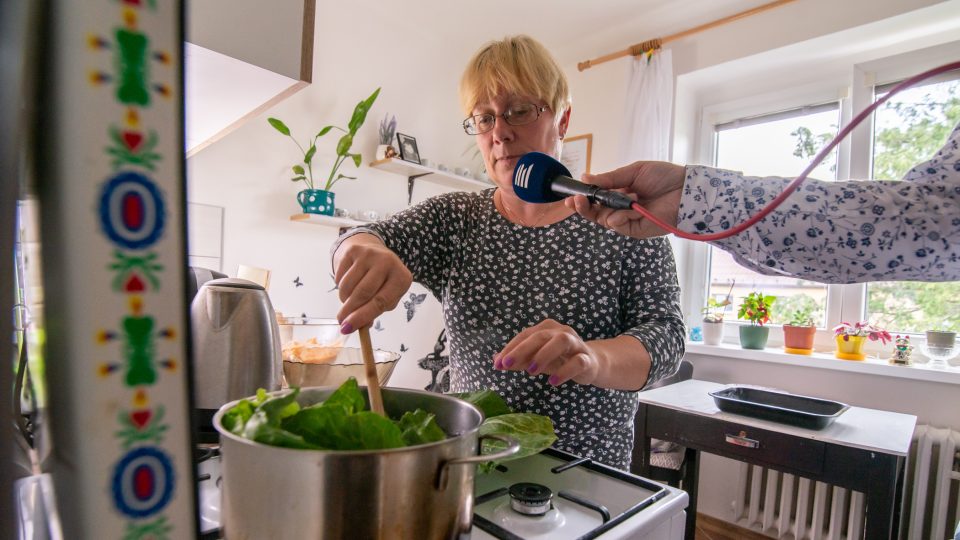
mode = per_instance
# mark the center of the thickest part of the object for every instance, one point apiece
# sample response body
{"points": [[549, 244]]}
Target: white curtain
{"points": [[649, 108]]}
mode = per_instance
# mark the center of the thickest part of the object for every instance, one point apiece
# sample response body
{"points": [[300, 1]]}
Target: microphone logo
{"points": [[522, 176]]}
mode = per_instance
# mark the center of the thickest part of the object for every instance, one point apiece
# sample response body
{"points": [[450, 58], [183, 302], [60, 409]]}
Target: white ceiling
{"points": [[573, 30], [222, 90]]}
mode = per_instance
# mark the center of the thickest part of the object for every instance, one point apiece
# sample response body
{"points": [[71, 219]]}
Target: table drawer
{"points": [[738, 441]]}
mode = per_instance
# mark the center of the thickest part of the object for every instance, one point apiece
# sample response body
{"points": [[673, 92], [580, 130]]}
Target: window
{"points": [[778, 131], [779, 144], [909, 129]]}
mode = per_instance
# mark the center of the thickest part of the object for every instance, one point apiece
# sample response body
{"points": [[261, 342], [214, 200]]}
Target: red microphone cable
{"points": [[803, 176]]}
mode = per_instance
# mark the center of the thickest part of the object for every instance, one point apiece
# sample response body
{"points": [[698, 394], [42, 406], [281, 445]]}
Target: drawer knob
{"points": [[742, 440]]}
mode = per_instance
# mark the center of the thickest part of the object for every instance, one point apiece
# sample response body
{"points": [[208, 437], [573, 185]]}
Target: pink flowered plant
{"points": [[864, 329]]}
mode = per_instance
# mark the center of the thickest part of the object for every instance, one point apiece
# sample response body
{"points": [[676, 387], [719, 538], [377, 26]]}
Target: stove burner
{"points": [[530, 499], [204, 452]]}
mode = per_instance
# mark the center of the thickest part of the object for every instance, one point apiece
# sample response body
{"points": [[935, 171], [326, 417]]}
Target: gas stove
{"points": [[552, 495]]}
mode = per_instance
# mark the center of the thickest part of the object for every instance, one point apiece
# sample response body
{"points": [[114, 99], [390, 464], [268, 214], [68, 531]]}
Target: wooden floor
{"points": [[711, 528]]}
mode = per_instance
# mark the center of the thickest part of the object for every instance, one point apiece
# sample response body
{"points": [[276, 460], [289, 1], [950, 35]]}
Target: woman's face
{"points": [[503, 145]]}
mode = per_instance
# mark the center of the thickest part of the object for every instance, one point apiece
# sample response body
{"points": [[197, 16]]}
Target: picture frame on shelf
{"points": [[408, 148], [575, 154]]}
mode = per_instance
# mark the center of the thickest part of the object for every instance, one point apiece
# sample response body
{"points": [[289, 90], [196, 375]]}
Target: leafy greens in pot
{"points": [[341, 422], [338, 423]]}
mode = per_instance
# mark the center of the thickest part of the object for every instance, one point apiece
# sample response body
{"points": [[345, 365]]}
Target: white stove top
{"points": [[589, 501], [638, 508]]}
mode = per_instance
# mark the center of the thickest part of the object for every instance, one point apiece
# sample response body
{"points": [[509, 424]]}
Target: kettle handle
{"points": [[513, 446]]}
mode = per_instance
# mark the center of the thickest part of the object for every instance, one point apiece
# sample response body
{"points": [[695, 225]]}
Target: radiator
{"points": [[789, 507]]}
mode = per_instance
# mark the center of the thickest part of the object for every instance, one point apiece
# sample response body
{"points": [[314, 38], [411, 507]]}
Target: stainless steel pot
{"points": [[418, 492]]}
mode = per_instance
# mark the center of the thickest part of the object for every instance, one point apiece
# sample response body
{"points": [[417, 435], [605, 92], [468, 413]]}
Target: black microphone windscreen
{"points": [[532, 175]]}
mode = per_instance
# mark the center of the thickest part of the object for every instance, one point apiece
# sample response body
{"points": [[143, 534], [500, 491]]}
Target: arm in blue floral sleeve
{"points": [[837, 232]]}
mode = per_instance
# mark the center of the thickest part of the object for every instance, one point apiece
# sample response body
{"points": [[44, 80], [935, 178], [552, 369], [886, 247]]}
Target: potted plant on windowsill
{"points": [[799, 331], [852, 337], [321, 201], [756, 309], [713, 319]]}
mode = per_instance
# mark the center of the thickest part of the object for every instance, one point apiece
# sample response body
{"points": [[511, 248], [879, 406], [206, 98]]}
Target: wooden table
{"points": [[863, 450]]}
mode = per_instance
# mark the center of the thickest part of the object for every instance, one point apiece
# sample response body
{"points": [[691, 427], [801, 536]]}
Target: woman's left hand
{"points": [[550, 348]]}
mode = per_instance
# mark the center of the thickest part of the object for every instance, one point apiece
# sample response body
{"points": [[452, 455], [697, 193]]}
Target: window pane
{"points": [[782, 144], [908, 130]]}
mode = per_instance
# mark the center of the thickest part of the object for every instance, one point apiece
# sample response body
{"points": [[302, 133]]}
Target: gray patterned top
{"points": [[837, 232], [496, 278]]}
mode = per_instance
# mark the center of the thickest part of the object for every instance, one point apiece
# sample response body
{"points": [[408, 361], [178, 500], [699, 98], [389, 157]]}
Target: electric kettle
{"points": [[236, 345]]}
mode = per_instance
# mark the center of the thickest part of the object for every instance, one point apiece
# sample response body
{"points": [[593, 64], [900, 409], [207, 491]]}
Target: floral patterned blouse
{"points": [[495, 278], [837, 232]]}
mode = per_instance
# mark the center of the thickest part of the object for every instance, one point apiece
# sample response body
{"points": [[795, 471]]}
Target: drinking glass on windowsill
{"points": [[940, 347]]}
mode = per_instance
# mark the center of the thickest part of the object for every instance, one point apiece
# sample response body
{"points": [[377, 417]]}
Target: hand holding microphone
{"points": [[538, 178], [657, 186]]}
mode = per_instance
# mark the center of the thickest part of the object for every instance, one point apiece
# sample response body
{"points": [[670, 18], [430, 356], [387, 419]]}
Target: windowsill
{"points": [[872, 365]]}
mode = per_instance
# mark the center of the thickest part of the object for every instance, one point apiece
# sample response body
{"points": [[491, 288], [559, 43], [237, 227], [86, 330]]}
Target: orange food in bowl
{"points": [[312, 352]]}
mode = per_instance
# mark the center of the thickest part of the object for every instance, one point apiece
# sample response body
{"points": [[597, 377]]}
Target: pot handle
{"points": [[513, 446]]}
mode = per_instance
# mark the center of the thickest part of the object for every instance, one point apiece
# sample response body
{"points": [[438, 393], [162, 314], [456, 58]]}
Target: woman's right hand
{"points": [[371, 280]]}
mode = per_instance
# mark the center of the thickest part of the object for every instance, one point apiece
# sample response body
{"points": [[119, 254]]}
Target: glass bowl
{"points": [[346, 362], [297, 331]]}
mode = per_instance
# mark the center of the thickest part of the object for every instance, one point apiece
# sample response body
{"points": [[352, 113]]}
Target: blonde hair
{"points": [[517, 65]]}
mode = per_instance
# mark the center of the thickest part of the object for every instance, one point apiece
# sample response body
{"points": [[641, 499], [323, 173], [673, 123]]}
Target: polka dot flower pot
{"points": [[316, 201]]}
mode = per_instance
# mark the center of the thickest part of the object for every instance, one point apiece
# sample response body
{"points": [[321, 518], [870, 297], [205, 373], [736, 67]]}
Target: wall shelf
{"points": [[413, 171], [330, 221]]}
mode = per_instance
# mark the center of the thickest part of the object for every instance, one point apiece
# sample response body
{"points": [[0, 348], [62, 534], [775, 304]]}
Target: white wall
{"points": [[247, 171], [358, 49]]}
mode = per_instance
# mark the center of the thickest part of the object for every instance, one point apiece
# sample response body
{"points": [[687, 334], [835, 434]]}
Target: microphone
{"points": [[538, 178]]}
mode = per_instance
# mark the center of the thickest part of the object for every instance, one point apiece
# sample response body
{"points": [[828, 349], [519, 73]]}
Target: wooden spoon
{"points": [[373, 382]]}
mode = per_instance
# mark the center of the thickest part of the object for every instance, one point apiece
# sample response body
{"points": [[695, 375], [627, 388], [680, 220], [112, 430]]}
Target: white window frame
{"points": [[853, 86]]}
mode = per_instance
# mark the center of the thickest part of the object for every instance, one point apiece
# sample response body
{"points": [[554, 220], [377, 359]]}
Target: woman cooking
{"points": [[555, 313]]}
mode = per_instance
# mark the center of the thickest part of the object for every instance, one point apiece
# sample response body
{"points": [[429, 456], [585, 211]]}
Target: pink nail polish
{"points": [[346, 328], [553, 380], [532, 368], [497, 364], [507, 362]]}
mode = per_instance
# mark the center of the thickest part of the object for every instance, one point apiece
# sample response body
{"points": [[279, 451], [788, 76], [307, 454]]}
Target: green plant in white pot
{"points": [[756, 309], [388, 128], [713, 320], [321, 201]]}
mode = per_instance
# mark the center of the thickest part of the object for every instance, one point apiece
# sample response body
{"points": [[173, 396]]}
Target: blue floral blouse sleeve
{"points": [[837, 232]]}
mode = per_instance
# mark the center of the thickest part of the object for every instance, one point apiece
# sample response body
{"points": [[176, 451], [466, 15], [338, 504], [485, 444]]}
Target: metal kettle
{"points": [[236, 345]]}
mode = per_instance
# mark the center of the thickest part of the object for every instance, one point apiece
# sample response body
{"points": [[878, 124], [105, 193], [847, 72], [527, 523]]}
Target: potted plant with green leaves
{"points": [[388, 128], [713, 318], [321, 201], [852, 337], [799, 330], [756, 309]]}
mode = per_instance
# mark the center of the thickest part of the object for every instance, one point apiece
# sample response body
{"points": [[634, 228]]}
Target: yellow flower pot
{"points": [[851, 347]]}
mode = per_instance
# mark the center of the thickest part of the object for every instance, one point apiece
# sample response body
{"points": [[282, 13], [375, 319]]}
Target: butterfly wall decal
{"points": [[297, 282], [411, 304]]}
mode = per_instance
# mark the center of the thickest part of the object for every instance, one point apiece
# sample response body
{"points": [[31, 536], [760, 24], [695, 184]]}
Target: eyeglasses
{"points": [[517, 115]]}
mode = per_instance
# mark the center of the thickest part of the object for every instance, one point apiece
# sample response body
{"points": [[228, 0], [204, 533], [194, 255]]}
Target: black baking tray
{"points": [[803, 411]]}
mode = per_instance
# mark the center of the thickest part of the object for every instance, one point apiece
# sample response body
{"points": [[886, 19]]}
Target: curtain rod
{"points": [[640, 48]]}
